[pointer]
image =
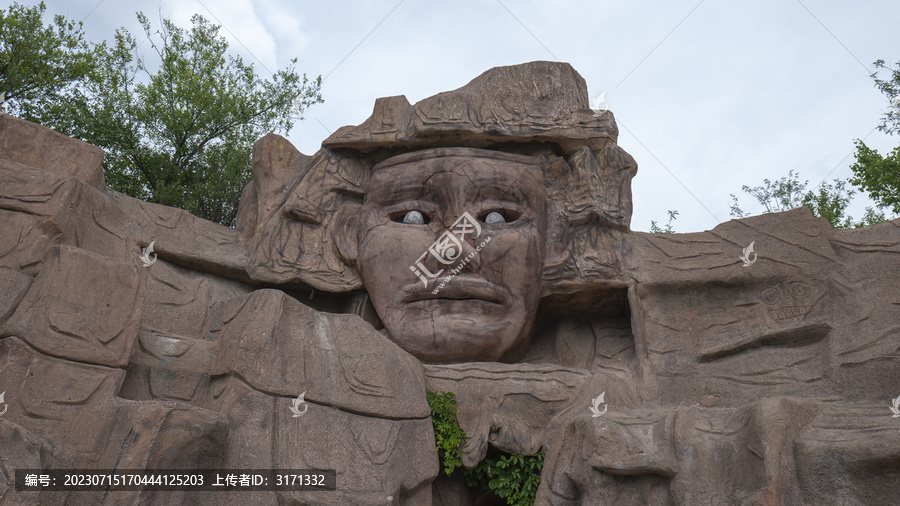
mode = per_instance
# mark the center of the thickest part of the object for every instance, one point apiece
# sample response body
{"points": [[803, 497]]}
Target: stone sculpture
{"points": [[476, 242]]}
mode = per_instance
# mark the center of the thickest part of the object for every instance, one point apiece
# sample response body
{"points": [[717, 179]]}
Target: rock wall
{"points": [[721, 383]]}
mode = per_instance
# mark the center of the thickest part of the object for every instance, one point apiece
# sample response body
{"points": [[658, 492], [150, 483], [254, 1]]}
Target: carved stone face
{"points": [[414, 233]]}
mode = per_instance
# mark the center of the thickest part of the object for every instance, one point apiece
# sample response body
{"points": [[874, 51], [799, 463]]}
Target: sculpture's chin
{"points": [[465, 337]]}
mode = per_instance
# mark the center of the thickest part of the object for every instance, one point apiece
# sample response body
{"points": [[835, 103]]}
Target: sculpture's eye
{"points": [[414, 218], [494, 217], [500, 216]]}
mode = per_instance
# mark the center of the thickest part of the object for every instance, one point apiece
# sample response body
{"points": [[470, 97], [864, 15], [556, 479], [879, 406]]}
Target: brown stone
{"points": [[37, 146], [279, 346], [509, 407], [81, 307], [533, 103], [617, 459], [13, 286]]}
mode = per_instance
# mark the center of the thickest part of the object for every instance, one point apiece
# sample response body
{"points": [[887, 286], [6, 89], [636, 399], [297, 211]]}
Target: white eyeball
{"points": [[494, 217], [414, 218]]}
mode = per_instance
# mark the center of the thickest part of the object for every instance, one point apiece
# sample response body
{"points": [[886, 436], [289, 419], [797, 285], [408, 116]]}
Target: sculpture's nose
{"points": [[469, 260], [453, 251], [451, 254]]}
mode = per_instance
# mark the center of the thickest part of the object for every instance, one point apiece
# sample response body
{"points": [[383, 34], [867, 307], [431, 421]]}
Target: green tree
{"points": [[39, 65], [656, 229], [880, 175], [829, 202], [178, 128], [782, 195]]}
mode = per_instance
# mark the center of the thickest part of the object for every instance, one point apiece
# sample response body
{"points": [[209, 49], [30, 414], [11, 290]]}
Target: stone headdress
{"points": [[538, 108]]}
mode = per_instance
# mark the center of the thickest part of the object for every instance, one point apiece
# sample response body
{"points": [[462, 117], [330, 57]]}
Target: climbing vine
{"points": [[514, 478], [448, 435]]}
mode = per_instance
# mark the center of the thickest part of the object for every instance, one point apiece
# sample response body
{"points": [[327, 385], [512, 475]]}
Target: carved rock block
{"points": [[377, 460], [26, 239], [65, 402], [82, 306], [13, 286], [619, 458], [285, 348], [40, 147], [506, 406]]}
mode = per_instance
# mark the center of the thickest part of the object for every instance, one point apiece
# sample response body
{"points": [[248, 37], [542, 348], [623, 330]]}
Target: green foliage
{"points": [[655, 229], [39, 65], [870, 218], [448, 435], [880, 175], [829, 202], [177, 127], [890, 87], [514, 478], [782, 195]]}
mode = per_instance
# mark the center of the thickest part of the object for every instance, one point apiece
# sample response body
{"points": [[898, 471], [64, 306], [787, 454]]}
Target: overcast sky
{"points": [[709, 95]]}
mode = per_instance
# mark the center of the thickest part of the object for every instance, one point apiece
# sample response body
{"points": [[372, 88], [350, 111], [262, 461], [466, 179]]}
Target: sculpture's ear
{"points": [[345, 232], [555, 256]]}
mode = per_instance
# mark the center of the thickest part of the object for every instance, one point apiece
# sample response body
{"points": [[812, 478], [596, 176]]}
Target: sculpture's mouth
{"points": [[458, 288]]}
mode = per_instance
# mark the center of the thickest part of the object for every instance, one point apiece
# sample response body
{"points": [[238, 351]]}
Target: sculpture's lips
{"points": [[458, 288]]}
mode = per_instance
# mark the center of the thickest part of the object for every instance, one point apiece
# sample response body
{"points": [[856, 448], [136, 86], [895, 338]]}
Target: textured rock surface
{"points": [[34, 146], [655, 369], [81, 306]]}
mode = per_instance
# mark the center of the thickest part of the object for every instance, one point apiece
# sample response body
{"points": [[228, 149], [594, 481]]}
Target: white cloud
{"points": [[245, 32]]}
